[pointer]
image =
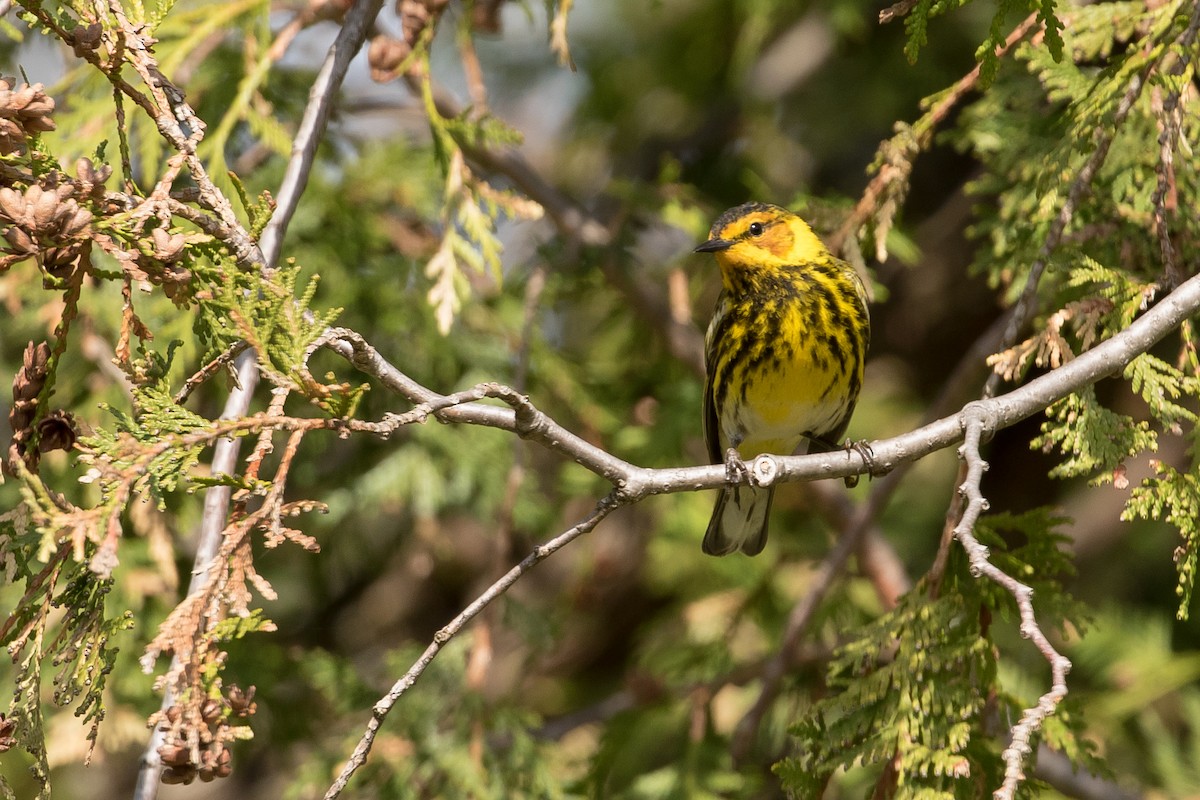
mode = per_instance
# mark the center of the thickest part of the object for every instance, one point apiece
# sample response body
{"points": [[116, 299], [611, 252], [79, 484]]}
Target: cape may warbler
{"points": [[784, 355]]}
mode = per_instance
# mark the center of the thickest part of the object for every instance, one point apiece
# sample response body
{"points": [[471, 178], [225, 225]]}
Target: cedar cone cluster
{"points": [[43, 221], [212, 759], [385, 53], [24, 111], [48, 220], [85, 38], [55, 431], [8, 731]]}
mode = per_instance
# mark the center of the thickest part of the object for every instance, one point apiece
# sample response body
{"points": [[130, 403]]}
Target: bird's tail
{"points": [[739, 521]]}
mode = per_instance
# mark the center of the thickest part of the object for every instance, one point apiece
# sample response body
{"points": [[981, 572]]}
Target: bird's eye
{"points": [[756, 228]]}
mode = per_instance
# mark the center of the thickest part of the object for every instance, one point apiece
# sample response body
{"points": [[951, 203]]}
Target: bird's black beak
{"points": [[714, 246]]}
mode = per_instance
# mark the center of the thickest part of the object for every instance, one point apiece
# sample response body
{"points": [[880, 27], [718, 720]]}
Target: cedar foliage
{"points": [[623, 672]]}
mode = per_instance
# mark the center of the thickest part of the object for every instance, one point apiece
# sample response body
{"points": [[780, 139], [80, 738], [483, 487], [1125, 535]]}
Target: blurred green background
{"points": [[587, 679]]}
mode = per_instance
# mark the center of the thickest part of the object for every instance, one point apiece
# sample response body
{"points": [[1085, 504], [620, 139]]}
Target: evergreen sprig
{"points": [[83, 650], [1173, 497], [132, 450], [914, 690], [1091, 437], [916, 27], [1104, 104], [908, 690]]}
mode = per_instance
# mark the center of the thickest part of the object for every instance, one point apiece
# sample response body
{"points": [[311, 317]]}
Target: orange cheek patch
{"points": [[776, 240]]}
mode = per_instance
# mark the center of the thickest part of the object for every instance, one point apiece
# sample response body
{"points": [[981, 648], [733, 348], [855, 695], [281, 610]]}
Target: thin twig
{"points": [[627, 698], [381, 709], [482, 644], [569, 218], [897, 10], [1026, 305], [890, 173], [533, 424], [312, 125], [875, 558], [1168, 113], [208, 370], [476, 86], [979, 424], [1165, 198], [1057, 770], [954, 510], [266, 252]]}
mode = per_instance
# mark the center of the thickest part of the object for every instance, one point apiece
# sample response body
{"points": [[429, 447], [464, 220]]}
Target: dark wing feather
{"points": [[712, 431], [711, 435]]}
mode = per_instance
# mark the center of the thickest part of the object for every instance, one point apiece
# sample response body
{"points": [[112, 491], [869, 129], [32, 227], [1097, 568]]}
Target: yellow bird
{"points": [[784, 355]]}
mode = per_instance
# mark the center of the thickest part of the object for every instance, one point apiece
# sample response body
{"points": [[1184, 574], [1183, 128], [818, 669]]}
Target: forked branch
{"points": [[632, 483], [980, 423]]}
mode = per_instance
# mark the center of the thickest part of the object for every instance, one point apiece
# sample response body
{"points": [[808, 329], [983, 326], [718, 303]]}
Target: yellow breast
{"points": [[799, 390]]}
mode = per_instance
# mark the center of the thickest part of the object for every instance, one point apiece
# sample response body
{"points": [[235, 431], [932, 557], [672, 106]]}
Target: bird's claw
{"points": [[863, 448]]}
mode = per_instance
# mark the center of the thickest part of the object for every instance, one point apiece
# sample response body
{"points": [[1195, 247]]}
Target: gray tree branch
{"points": [[636, 483], [225, 453], [632, 483]]}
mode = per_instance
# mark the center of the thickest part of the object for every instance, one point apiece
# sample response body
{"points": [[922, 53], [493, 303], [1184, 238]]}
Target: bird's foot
{"points": [[863, 448], [736, 470]]}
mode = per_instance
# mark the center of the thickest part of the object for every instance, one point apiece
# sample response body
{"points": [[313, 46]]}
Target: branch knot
{"points": [[981, 416], [764, 471]]}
